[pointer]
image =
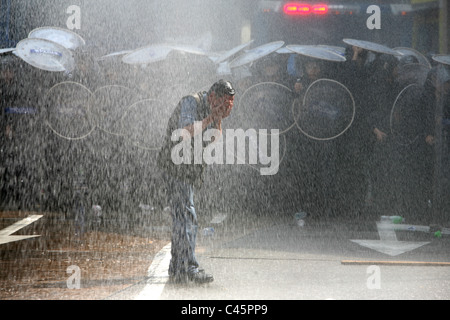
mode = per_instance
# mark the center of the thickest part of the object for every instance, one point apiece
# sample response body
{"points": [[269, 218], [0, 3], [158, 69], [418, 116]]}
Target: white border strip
{"points": [[157, 274]]}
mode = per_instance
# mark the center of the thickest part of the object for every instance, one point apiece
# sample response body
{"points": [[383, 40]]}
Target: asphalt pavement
{"points": [[274, 258]]}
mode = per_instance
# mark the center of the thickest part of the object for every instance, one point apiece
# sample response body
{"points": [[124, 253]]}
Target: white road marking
{"points": [[388, 243], [5, 234], [157, 274]]}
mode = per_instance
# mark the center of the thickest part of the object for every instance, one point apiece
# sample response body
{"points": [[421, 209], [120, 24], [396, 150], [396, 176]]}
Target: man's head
{"points": [[221, 95], [221, 88]]}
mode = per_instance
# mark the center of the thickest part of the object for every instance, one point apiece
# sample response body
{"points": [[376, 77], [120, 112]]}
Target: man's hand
{"points": [[221, 107], [298, 87], [381, 136], [218, 113], [429, 140], [356, 52]]}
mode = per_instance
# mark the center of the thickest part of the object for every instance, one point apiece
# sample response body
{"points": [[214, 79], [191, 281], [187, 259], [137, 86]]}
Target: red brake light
{"points": [[320, 9], [297, 8], [304, 8]]}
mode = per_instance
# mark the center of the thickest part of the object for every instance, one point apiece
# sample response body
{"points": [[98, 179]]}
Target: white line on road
{"points": [[157, 275], [6, 234]]}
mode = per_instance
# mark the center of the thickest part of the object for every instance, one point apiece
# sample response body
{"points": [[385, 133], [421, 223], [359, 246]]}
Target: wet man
{"points": [[203, 110]]}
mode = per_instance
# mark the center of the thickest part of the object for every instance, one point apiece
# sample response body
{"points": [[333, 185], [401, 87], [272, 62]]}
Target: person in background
{"points": [[355, 146]]}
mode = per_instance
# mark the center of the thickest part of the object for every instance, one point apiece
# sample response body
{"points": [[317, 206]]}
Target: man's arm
{"points": [[191, 127], [188, 122]]}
